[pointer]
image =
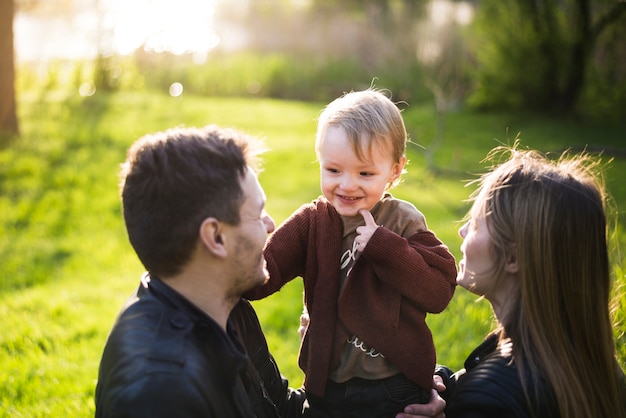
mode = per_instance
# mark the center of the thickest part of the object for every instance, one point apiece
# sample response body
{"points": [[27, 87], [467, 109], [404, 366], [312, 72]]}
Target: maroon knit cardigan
{"points": [[384, 303]]}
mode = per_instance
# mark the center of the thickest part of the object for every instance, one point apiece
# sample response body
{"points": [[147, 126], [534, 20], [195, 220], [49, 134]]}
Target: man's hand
{"points": [[365, 232], [433, 409]]}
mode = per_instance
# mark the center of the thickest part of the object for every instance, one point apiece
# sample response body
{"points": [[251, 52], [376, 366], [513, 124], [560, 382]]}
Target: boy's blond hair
{"points": [[368, 117]]}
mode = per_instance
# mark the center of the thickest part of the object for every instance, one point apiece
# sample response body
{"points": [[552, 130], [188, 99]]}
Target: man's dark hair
{"points": [[171, 181]]}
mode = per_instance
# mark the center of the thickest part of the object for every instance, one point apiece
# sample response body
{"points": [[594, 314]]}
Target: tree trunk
{"points": [[575, 71], [8, 111], [582, 48]]}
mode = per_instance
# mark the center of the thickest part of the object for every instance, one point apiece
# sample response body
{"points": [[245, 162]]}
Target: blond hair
{"points": [[551, 216], [368, 117]]}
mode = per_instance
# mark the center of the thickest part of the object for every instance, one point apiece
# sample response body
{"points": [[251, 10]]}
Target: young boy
{"points": [[371, 268]]}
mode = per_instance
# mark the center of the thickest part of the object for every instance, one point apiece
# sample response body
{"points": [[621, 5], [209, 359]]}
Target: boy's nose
{"points": [[348, 183]]}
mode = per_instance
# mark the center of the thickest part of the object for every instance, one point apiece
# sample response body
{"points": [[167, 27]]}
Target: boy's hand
{"points": [[365, 232], [304, 324]]}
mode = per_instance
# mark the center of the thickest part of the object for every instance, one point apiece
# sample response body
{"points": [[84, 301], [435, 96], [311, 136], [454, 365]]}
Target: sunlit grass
{"points": [[50, 335], [66, 266]]}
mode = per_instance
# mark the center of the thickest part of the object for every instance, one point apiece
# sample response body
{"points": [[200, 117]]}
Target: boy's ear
{"points": [[212, 237], [398, 168]]}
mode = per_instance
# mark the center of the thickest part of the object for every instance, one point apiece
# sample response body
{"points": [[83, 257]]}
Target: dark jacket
{"points": [[289, 402], [164, 358], [383, 303], [490, 387]]}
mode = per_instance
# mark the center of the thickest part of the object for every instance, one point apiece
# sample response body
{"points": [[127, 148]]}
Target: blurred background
{"points": [[81, 80], [564, 57]]}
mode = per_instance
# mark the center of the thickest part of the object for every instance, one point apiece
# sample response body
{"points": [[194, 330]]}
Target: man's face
{"points": [[250, 236]]}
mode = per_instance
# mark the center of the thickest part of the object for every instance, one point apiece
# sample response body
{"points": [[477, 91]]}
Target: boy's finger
{"points": [[367, 216]]}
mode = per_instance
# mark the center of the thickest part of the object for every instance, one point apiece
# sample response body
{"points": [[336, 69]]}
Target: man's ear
{"points": [[511, 265], [212, 237]]}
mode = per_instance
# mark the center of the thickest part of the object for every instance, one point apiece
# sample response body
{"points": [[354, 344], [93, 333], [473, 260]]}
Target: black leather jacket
{"points": [[490, 387], [166, 358]]}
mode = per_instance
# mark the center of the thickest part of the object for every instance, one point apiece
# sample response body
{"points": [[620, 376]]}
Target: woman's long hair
{"points": [[550, 216]]}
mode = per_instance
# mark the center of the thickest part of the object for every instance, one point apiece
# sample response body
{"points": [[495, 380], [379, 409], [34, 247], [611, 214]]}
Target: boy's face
{"points": [[349, 183]]}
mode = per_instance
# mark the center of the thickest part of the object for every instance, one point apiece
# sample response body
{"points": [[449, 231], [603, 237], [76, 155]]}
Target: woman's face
{"points": [[479, 270], [476, 268]]}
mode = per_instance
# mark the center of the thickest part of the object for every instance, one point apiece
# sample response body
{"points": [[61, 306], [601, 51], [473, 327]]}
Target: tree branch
{"points": [[609, 17]]}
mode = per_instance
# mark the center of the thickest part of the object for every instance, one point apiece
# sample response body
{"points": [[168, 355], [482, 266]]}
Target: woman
{"points": [[535, 246]]}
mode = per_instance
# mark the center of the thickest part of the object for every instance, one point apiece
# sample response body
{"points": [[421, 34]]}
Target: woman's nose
{"points": [[269, 223], [463, 230]]}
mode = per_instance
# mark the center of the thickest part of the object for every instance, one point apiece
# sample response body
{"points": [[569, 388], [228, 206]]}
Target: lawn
{"points": [[66, 265]]}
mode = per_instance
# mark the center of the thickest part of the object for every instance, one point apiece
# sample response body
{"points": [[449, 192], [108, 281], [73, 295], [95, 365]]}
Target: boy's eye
{"points": [[332, 170], [366, 173]]}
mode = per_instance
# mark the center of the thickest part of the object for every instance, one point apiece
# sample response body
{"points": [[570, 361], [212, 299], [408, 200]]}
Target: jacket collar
{"points": [[487, 347], [185, 317]]}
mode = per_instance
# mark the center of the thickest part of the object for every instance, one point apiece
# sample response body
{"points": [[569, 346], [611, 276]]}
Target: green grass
{"points": [[66, 266]]}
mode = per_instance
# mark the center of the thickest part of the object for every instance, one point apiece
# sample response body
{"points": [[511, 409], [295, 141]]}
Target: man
{"points": [[185, 344]]}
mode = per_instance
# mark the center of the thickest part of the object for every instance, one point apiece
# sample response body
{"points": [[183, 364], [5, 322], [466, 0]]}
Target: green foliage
{"points": [[606, 81], [617, 237], [66, 266], [292, 76], [560, 57]]}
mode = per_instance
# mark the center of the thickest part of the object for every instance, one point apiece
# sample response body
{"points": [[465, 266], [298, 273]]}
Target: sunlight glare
{"points": [[464, 13], [162, 25], [445, 12], [176, 89], [87, 89]]}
